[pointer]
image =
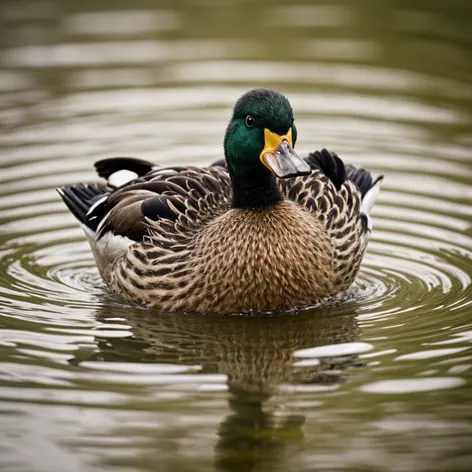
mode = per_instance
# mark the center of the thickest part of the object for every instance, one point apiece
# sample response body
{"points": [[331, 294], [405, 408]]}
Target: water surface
{"points": [[381, 382]]}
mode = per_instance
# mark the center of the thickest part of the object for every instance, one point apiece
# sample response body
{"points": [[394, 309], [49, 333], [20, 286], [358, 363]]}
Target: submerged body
{"points": [[220, 239]]}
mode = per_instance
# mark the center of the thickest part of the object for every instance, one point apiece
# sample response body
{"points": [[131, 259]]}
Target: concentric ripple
{"points": [[378, 380]]}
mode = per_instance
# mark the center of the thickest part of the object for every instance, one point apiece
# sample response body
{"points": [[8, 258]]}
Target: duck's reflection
{"points": [[256, 355], [252, 438]]}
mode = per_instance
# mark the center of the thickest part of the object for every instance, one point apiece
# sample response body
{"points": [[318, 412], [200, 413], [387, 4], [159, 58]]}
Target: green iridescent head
{"points": [[261, 135]]}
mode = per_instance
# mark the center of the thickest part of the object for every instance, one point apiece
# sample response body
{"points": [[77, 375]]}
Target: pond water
{"points": [[381, 382]]}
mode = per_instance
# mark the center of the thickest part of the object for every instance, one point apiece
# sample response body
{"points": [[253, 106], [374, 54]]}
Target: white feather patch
{"points": [[370, 197], [111, 246], [91, 235], [100, 225], [95, 205], [121, 177], [108, 247]]}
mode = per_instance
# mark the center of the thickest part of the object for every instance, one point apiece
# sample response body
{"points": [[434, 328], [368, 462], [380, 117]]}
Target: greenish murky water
{"points": [[382, 382]]}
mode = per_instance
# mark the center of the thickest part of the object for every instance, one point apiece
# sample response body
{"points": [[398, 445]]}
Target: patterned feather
{"points": [[182, 248]]}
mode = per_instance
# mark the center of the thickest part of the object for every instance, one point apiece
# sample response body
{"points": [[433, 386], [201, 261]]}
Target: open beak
{"points": [[279, 157]]}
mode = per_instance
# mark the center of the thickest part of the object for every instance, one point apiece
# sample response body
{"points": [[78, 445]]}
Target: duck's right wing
{"points": [[168, 200]]}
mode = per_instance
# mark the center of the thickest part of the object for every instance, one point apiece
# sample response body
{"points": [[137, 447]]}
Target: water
{"points": [[382, 382]]}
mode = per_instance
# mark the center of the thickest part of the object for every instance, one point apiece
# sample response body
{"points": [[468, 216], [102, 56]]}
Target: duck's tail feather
{"points": [[367, 186], [370, 195], [84, 199], [361, 178]]}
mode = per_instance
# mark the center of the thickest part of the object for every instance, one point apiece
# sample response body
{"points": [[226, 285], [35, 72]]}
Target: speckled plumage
{"points": [[212, 258], [170, 238]]}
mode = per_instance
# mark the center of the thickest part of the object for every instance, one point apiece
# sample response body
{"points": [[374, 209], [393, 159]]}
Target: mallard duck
{"points": [[261, 230]]}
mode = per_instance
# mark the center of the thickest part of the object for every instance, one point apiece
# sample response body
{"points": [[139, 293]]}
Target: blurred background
{"points": [[380, 382]]}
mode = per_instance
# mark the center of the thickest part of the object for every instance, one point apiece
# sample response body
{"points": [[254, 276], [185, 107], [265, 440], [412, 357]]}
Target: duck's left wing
{"points": [[341, 198]]}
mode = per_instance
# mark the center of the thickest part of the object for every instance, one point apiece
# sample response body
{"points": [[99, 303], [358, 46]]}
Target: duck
{"points": [[261, 230]]}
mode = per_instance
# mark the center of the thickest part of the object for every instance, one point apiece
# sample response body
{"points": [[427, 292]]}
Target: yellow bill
{"points": [[279, 157]]}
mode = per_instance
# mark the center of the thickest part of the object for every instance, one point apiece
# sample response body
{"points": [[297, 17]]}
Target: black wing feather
{"points": [[360, 177], [106, 167], [330, 164], [335, 169], [79, 198]]}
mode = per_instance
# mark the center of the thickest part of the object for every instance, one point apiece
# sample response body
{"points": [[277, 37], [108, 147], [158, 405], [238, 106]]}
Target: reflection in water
{"points": [[255, 356], [252, 439], [87, 382]]}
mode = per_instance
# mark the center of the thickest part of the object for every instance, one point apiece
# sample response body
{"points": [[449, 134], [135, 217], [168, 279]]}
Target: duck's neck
{"points": [[255, 190]]}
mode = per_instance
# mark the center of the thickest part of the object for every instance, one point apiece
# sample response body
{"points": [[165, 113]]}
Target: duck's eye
{"points": [[250, 121]]}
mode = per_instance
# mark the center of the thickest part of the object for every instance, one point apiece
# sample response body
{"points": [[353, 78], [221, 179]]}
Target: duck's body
{"points": [[220, 240], [246, 270]]}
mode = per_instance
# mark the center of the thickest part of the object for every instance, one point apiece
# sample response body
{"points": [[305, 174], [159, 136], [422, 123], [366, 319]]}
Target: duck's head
{"points": [[261, 136]]}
